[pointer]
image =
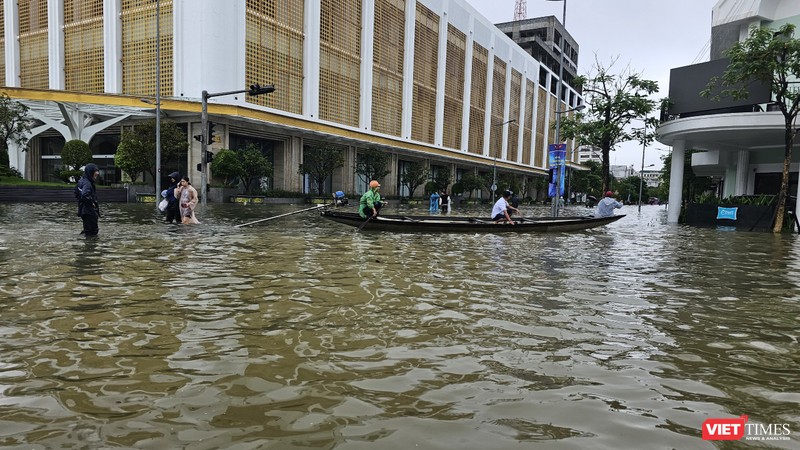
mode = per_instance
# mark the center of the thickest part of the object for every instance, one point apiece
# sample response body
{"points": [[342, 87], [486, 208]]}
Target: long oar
{"points": [[365, 222], [281, 215]]}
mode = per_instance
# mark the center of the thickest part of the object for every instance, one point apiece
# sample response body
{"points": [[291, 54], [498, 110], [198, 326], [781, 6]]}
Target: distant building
{"points": [[545, 38], [741, 141], [424, 82], [590, 153], [652, 178], [621, 172]]}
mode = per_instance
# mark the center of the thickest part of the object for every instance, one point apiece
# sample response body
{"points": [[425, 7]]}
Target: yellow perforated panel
{"points": [[454, 87], [274, 52], [33, 59], [2, 45], [527, 131], [340, 61], [83, 45], [139, 47], [513, 113], [541, 112], [477, 106], [426, 61], [387, 66], [498, 104]]}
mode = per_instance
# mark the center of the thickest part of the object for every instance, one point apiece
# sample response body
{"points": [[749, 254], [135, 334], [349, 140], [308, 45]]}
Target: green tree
{"points": [[613, 100], [442, 178], [773, 58], [471, 182], [15, 125], [228, 165], [136, 152], [130, 158], [414, 175], [372, 164], [255, 166], [588, 181], [75, 154], [319, 162]]}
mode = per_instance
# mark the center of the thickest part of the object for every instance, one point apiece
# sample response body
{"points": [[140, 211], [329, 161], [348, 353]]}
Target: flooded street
{"points": [[301, 333]]}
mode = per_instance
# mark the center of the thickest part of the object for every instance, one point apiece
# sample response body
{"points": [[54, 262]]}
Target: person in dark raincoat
{"points": [[86, 193]]}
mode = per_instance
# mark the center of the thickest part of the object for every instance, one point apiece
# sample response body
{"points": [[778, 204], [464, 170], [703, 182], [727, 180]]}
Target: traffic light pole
{"points": [[255, 89]]}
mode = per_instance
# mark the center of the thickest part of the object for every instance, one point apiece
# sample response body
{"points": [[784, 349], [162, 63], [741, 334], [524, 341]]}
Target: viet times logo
{"points": [[738, 428]]}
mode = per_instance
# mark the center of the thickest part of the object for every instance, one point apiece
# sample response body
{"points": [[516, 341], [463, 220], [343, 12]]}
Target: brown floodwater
{"points": [[300, 333]]}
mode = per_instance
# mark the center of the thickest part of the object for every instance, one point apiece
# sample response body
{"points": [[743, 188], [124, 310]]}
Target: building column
{"points": [[742, 172], [390, 181], [112, 46], [11, 24], [55, 45], [676, 181]]}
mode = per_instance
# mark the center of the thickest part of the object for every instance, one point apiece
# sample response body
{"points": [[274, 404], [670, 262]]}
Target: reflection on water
{"points": [[300, 333]]}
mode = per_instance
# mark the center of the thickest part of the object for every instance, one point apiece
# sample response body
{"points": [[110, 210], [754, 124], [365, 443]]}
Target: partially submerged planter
{"points": [[741, 217]]}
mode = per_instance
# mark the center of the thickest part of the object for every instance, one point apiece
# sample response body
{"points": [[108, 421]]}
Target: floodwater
{"points": [[300, 333]]}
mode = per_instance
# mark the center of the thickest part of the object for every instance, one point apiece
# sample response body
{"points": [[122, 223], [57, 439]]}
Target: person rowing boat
{"points": [[370, 204], [501, 209]]}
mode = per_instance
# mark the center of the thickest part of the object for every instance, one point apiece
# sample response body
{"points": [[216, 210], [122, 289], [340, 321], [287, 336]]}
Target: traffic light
{"points": [[210, 139], [209, 156], [257, 89], [199, 167]]}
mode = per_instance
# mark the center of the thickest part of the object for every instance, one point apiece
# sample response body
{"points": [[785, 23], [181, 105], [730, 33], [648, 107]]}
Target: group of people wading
{"points": [[180, 196]]}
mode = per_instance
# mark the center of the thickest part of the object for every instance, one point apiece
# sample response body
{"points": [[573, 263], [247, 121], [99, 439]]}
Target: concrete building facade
{"points": [[741, 146], [429, 81]]}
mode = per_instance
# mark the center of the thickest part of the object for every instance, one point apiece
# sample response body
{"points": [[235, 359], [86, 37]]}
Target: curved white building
{"points": [[743, 141], [429, 80]]}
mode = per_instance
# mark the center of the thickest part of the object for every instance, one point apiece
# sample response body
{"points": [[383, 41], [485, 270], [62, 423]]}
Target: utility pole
{"points": [[158, 102]]}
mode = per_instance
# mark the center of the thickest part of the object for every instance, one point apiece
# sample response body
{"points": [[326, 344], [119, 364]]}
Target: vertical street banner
{"points": [[557, 158]]}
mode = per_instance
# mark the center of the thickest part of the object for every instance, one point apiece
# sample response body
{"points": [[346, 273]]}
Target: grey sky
{"points": [[652, 36]]}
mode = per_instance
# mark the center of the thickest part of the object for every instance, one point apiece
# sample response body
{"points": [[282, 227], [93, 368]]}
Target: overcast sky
{"points": [[652, 36]]}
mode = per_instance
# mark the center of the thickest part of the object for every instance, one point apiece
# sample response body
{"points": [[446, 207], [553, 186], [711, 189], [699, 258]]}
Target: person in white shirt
{"points": [[501, 208], [606, 206]]}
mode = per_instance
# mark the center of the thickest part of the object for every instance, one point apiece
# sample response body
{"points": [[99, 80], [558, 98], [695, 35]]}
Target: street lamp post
{"points": [[641, 176], [255, 89], [641, 181], [557, 139], [158, 101]]}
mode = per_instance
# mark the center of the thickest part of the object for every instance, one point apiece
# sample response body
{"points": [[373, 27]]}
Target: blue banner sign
{"points": [[557, 158], [726, 213]]}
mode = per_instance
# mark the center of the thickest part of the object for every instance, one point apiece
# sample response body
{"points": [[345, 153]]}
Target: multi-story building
{"points": [[620, 172], [429, 81], [742, 141], [549, 42], [652, 178]]}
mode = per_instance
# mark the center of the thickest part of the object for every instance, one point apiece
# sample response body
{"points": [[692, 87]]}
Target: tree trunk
{"points": [[606, 168], [787, 160]]}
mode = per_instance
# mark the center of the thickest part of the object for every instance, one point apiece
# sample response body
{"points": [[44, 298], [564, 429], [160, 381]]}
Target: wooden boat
{"points": [[452, 224]]}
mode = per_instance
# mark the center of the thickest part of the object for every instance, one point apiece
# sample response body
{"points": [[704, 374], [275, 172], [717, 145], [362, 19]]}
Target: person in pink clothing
{"points": [[187, 198]]}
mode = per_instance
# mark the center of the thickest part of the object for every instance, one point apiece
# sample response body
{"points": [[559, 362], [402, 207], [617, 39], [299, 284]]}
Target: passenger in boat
{"points": [[514, 202], [500, 211], [370, 204], [606, 206]]}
